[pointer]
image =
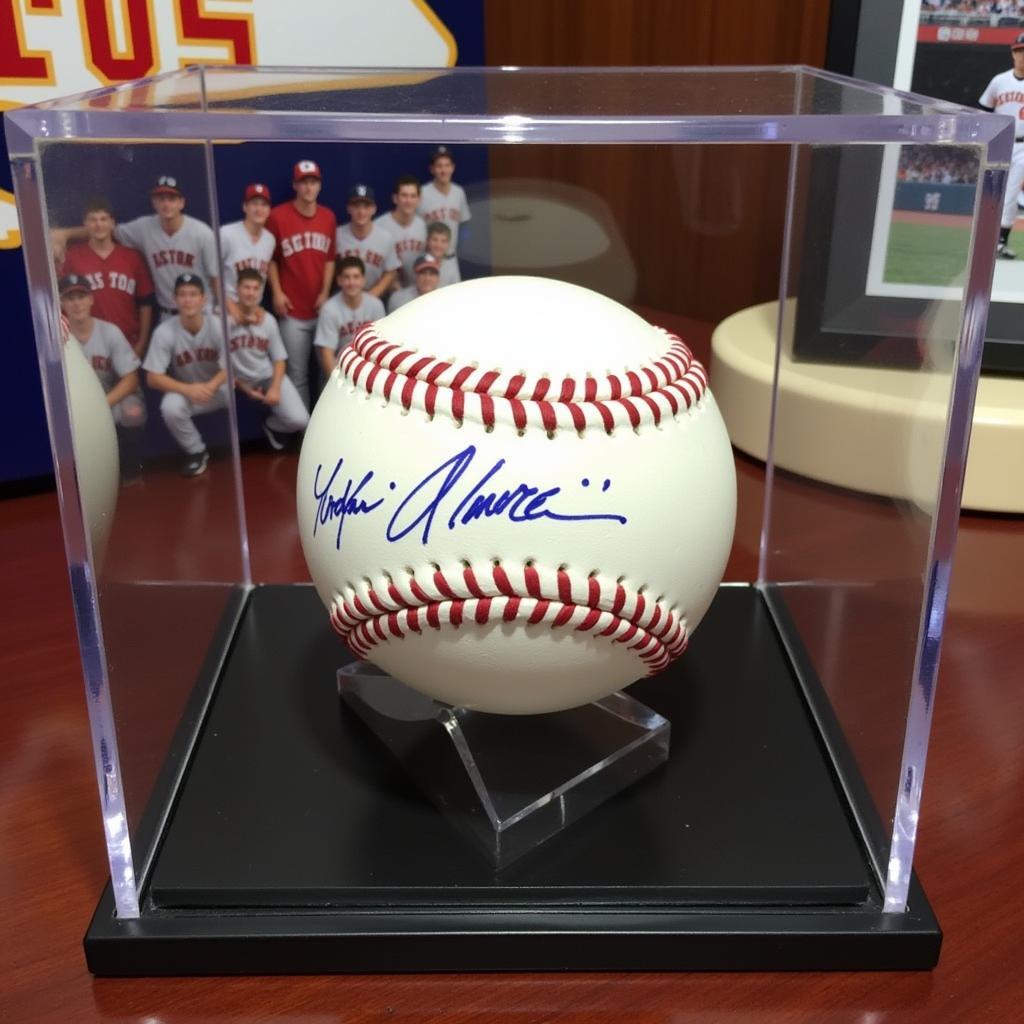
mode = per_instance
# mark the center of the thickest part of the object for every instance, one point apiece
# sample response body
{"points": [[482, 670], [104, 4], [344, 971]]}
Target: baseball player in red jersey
{"points": [[302, 270], [1005, 95], [120, 285]]}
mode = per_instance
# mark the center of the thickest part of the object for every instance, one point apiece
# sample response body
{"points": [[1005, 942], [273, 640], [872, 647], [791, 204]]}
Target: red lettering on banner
{"points": [[195, 26], [18, 64], [110, 67]]}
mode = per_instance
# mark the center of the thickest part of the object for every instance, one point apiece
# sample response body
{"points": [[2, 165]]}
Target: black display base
{"points": [[296, 845]]}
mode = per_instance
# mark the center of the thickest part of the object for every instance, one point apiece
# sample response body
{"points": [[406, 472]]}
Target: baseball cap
{"points": [[257, 190], [73, 283], [167, 185], [441, 151], [306, 169], [1018, 42], [426, 262], [364, 192], [193, 279]]}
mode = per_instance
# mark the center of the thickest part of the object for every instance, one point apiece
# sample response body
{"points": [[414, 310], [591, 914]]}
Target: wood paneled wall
{"points": [[703, 225]]}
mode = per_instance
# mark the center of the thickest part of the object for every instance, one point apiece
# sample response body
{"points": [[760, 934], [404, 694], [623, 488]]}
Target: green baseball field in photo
{"points": [[927, 249]]}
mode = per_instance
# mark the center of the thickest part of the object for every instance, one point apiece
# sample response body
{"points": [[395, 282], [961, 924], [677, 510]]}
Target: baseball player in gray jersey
{"points": [[113, 360], [173, 244], [369, 241], [259, 359], [186, 362], [407, 229], [1005, 95], [439, 240], [428, 277], [343, 315], [247, 243], [441, 200]]}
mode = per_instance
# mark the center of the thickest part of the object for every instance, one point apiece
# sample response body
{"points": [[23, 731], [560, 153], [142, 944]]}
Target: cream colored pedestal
{"points": [[866, 428]]}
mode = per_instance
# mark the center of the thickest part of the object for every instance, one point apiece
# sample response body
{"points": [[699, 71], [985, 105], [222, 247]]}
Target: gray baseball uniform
{"points": [[238, 250], [449, 271], [451, 209], [191, 359], [111, 357], [191, 249], [254, 349], [376, 250], [401, 297], [339, 323], [408, 242]]}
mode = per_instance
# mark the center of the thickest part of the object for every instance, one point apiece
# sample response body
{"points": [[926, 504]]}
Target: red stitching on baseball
{"points": [[630, 397], [483, 594]]}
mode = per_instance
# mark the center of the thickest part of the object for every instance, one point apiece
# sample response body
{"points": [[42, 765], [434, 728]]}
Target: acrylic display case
{"points": [[253, 824]]}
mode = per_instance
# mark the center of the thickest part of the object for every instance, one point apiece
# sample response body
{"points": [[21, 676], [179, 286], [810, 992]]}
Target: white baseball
{"points": [[516, 495], [96, 450]]}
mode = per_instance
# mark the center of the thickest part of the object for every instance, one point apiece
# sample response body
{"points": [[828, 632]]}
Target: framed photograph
{"points": [[890, 232]]}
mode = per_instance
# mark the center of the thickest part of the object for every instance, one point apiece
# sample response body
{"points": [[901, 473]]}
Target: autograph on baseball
{"points": [[339, 497]]}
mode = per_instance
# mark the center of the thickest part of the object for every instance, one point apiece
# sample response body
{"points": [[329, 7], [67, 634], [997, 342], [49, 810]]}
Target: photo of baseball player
{"points": [[258, 361], [121, 288], [369, 241], [114, 362], [173, 243], [345, 313], [442, 200], [407, 228], [247, 243], [1005, 95], [186, 363], [439, 240], [427, 270], [302, 269]]}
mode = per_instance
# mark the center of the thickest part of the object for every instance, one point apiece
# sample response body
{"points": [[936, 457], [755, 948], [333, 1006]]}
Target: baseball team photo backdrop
{"points": [[51, 49]]}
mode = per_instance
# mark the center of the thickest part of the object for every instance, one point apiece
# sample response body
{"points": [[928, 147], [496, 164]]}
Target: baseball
{"points": [[96, 450], [516, 496]]}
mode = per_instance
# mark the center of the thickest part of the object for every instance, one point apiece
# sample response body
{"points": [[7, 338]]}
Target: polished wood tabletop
{"points": [[52, 863]]}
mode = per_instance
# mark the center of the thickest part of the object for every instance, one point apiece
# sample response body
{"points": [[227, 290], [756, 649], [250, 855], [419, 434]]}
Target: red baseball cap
{"points": [[1018, 43], [306, 169], [257, 190]]}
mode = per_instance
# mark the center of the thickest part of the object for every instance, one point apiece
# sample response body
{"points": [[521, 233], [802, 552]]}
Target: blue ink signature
{"points": [[348, 504], [421, 506]]}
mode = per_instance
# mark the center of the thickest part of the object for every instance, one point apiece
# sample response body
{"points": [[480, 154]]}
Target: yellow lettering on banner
{"points": [[10, 230]]}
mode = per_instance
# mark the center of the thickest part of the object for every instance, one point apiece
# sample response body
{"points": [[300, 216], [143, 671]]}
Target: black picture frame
{"points": [[836, 320]]}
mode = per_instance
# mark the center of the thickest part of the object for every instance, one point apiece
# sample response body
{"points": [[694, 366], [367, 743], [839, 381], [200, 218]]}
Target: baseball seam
{"points": [[673, 383], [369, 613]]}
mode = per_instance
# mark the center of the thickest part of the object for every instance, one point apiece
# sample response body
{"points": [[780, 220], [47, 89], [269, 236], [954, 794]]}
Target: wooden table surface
{"points": [[52, 863]]}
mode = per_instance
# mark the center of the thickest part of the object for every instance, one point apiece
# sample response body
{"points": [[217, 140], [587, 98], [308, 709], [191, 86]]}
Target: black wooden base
{"points": [[297, 845]]}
